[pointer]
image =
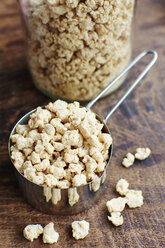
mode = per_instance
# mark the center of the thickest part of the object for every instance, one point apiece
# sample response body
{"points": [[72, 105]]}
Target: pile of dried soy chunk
{"points": [[62, 146]]}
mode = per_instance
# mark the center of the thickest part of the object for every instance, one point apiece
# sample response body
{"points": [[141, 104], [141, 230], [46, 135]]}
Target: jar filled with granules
{"points": [[76, 47]]}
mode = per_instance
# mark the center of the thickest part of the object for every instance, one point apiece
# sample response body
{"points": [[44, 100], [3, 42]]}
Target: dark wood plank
{"points": [[140, 121]]}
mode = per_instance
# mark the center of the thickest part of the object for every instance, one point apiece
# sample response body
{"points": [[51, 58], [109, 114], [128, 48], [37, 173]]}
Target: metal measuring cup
{"points": [[74, 200]]}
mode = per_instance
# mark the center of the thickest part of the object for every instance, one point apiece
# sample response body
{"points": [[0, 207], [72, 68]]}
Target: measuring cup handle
{"points": [[139, 57]]}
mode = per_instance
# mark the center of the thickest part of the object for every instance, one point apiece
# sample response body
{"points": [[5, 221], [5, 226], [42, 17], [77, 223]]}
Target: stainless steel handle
{"points": [[139, 57]]}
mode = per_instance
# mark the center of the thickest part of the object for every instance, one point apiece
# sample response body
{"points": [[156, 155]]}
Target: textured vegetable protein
{"points": [[33, 231], [133, 198], [129, 160], [62, 146], [141, 154], [80, 229], [76, 48], [50, 236]]}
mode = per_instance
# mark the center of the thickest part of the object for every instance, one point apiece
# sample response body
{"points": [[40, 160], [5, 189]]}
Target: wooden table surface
{"points": [[140, 121]]}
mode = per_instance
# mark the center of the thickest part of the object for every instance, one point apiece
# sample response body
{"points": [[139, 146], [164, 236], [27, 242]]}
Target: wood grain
{"points": [[140, 121]]}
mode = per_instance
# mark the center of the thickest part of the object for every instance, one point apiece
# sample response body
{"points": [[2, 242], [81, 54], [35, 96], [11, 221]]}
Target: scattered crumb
{"points": [[80, 229], [129, 160], [116, 218], [32, 232], [50, 236], [122, 187], [116, 204], [142, 153], [134, 198]]}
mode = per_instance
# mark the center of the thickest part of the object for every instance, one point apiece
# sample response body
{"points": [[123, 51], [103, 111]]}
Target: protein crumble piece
{"points": [[116, 204], [80, 229], [32, 232], [142, 153], [122, 187], [129, 160], [73, 196], [50, 236], [134, 198], [116, 218]]}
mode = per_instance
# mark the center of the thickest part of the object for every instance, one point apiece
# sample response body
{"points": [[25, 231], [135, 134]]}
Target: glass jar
{"points": [[76, 47]]}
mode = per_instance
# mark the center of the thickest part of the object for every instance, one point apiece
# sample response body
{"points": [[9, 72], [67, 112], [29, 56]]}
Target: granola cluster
{"points": [[75, 48], [62, 146]]}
